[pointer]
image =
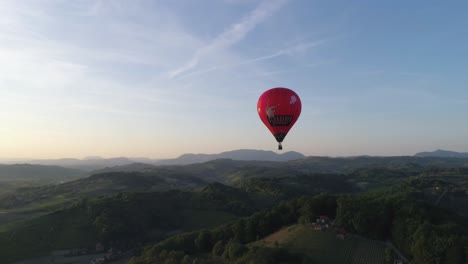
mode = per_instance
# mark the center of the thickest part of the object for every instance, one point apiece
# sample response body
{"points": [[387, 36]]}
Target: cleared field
{"points": [[33, 209], [324, 247]]}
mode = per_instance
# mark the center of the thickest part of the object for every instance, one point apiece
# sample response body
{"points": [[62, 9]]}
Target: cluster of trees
{"points": [[300, 185], [424, 233], [230, 199], [378, 173], [230, 252], [365, 215], [130, 216], [441, 171], [227, 242], [430, 235]]}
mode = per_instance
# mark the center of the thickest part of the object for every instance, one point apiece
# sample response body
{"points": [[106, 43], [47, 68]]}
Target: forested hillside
{"points": [[424, 233], [249, 212]]}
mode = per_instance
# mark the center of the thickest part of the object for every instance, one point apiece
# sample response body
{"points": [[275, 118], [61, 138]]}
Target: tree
{"points": [[218, 248], [388, 255], [203, 241], [234, 250], [186, 260], [238, 230]]}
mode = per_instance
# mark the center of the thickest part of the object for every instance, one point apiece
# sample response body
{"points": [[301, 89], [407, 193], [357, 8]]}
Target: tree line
{"points": [[425, 234]]}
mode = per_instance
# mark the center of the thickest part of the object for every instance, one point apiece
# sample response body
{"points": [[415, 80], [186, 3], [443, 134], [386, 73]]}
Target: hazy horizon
{"points": [[13, 159], [159, 79]]}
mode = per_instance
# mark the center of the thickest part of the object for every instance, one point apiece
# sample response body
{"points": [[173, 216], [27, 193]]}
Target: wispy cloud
{"points": [[291, 50], [40, 60], [92, 108], [288, 51], [270, 73], [234, 34]]}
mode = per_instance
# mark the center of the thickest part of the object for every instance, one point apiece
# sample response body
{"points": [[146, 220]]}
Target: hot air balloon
{"points": [[279, 108]]}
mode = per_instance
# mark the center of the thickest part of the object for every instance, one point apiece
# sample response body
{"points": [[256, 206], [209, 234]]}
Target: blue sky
{"points": [[163, 78]]}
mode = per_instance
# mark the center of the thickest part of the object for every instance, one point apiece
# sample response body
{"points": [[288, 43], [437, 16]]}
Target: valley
{"points": [[133, 207]]}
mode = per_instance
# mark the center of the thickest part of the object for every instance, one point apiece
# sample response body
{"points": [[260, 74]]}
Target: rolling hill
{"points": [[225, 189], [285, 233], [241, 154], [130, 218], [16, 176], [324, 246], [88, 164], [364, 172], [442, 154], [16, 172], [97, 163]]}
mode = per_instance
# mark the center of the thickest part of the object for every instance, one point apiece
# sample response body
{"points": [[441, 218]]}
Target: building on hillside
{"points": [[323, 219], [322, 223]]}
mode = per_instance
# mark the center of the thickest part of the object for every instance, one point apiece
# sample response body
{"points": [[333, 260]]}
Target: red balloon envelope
{"points": [[279, 108]]}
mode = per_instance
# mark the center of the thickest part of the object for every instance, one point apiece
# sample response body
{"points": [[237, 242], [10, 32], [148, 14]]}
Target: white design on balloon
{"points": [[293, 99]]}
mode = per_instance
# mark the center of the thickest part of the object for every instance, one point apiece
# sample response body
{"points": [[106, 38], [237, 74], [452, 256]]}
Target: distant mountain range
{"points": [[87, 164], [241, 154], [442, 154], [44, 173], [97, 163]]}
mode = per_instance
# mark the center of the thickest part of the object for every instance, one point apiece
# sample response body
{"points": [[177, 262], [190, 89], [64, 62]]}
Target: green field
{"points": [[324, 247], [34, 209]]}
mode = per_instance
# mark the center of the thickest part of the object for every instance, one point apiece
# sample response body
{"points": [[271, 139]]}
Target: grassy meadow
{"points": [[325, 247]]}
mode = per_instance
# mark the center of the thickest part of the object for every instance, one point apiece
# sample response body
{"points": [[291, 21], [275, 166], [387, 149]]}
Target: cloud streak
{"points": [[289, 51], [234, 34]]}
